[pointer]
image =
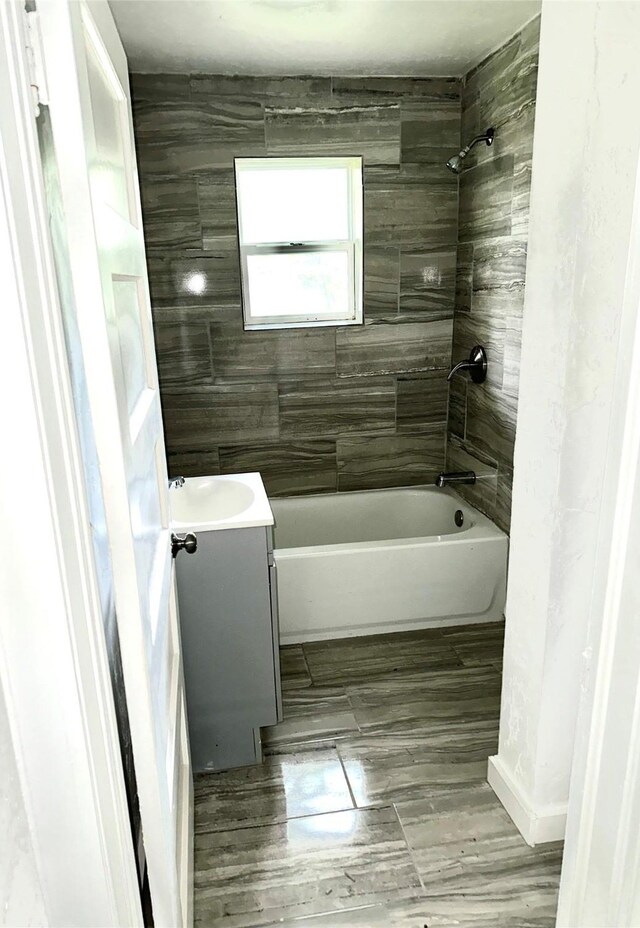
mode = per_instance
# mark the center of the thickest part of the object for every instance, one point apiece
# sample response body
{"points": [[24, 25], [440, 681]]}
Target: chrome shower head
{"points": [[455, 163]]}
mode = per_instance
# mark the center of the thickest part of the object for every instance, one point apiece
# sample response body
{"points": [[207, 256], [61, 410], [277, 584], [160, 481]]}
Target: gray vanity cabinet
{"points": [[229, 620]]}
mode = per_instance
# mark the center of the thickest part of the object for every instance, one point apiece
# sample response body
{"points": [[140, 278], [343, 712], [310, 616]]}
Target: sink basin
{"points": [[220, 502]]}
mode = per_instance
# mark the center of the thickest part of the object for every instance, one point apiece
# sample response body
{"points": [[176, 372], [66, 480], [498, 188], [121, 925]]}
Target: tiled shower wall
{"points": [[312, 409], [492, 251]]}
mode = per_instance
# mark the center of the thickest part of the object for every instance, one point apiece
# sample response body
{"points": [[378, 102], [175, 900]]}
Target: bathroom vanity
{"points": [[227, 596]]}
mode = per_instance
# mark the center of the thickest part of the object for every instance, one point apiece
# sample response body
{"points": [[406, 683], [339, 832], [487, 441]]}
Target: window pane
{"points": [[293, 205], [314, 284]]}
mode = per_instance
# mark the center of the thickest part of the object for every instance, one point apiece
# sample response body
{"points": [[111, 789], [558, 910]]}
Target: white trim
{"points": [[536, 825], [53, 661], [601, 698], [353, 315]]}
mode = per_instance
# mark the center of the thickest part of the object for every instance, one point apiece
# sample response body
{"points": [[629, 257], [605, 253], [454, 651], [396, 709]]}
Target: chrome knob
{"points": [[188, 543]]}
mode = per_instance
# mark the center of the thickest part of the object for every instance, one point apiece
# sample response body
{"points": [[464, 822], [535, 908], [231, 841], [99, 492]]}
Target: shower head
{"points": [[455, 163]]}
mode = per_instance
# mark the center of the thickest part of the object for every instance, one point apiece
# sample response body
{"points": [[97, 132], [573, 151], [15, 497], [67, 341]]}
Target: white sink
{"points": [[236, 501]]}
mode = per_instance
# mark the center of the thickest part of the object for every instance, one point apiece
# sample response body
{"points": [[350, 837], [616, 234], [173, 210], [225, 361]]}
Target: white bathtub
{"points": [[384, 560]]}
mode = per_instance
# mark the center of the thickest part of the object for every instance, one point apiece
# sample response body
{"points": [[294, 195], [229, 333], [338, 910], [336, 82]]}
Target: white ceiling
{"points": [[320, 37]]}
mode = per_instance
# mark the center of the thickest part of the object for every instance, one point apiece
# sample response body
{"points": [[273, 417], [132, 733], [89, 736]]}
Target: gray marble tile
{"points": [[193, 463], [470, 120], [482, 494], [455, 697], [158, 88], [294, 672], [491, 422], [379, 89], [400, 766], [412, 204], [256, 875], [279, 789], [485, 198], [512, 352], [350, 660], [498, 303], [399, 913], [511, 92], [474, 864], [312, 714], [443, 689], [269, 355], [287, 468], [521, 130], [197, 418], [370, 131], [493, 66], [337, 407], [194, 280], [421, 401], [500, 264], [502, 512], [394, 347], [381, 280], [430, 131], [457, 412], [464, 277], [170, 213], [366, 463], [183, 355], [217, 205], [268, 90], [199, 136], [427, 281], [476, 645]]}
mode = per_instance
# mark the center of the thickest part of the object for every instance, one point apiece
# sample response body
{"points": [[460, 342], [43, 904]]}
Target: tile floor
{"points": [[372, 808]]}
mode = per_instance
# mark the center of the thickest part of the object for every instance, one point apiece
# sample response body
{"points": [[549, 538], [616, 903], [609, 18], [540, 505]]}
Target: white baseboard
{"points": [[536, 825]]}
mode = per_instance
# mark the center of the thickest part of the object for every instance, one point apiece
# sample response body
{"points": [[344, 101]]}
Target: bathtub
{"points": [[379, 561]]}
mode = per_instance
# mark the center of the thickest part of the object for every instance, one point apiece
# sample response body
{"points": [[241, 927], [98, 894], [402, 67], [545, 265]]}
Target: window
{"points": [[300, 238]]}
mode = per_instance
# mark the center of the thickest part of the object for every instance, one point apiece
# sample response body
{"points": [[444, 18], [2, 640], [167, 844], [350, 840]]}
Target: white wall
{"points": [[587, 141], [21, 901]]}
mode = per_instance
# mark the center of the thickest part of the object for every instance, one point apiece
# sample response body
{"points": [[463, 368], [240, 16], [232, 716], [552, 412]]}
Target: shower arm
{"points": [[485, 137]]}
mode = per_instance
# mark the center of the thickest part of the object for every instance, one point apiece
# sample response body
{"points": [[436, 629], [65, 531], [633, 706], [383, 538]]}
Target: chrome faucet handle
{"points": [[476, 364], [176, 482]]}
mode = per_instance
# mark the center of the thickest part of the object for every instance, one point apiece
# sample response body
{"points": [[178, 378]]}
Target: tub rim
{"points": [[481, 529]]}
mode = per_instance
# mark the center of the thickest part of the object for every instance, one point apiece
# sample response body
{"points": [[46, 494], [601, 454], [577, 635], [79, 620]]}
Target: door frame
{"points": [[53, 663]]}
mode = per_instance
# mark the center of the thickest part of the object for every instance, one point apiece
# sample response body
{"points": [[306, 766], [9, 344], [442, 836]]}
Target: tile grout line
{"points": [[348, 781], [409, 848]]}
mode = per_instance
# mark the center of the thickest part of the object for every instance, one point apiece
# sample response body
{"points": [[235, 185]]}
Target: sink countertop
{"points": [[220, 502]]}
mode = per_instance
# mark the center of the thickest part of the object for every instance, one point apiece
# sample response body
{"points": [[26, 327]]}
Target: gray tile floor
{"points": [[372, 808]]}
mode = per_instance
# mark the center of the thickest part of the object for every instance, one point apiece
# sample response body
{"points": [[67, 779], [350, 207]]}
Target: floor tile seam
{"points": [[282, 821], [348, 781], [312, 678], [408, 846], [291, 745]]}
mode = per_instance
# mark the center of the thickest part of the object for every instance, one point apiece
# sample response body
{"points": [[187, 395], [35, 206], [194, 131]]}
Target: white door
{"points": [[90, 111]]}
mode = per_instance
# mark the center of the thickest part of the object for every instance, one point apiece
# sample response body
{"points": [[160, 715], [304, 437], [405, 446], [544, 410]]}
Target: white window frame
{"points": [[352, 246]]}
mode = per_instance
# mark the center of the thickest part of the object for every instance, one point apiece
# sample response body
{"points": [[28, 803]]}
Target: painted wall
{"points": [[21, 898], [492, 254], [312, 409], [585, 162]]}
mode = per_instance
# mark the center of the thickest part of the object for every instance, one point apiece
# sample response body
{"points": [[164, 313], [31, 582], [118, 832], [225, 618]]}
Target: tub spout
{"points": [[466, 476]]}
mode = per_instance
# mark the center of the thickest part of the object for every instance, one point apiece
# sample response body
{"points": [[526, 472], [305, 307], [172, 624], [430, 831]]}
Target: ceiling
{"points": [[320, 37]]}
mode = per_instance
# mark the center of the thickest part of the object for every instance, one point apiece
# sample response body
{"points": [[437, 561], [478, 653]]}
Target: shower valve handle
{"points": [[476, 364]]}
